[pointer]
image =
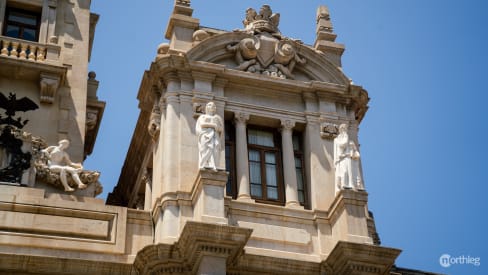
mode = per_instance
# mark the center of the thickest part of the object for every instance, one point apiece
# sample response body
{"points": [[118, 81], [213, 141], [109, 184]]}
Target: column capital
{"points": [[170, 77], [287, 124], [241, 117]]}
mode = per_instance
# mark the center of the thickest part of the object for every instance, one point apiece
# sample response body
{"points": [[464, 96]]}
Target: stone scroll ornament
{"points": [[346, 160], [265, 51], [13, 160], [209, 129], [54, 166]]}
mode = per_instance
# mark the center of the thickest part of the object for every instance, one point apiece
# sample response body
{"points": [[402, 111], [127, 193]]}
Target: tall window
{"points": [[22, 24], [265, 175], [230, 158], [301, 188]]}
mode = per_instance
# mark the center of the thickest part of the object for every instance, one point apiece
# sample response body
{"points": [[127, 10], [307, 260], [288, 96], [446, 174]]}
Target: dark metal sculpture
{"points": [[13, 105], [10, 143]]}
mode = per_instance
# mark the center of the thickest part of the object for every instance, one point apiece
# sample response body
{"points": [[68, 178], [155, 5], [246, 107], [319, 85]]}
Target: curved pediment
{"points": [[266, 54]]}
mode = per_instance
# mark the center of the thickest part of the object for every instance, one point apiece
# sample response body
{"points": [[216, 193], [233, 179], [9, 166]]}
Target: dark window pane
{"points": [[270, 159], [272, 193], [259, 137], [256, 190], [296, 143], [29, 34], [12, 31], [298, 162], [254, 167], [22, 18], [299, 179], [301, 197], [227, 168]]}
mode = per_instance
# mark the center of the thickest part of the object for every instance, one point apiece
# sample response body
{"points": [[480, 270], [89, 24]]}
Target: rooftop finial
{"points": [[184, 3], [323, 20]]}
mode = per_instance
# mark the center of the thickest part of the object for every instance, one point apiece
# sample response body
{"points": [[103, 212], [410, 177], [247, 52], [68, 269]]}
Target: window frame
{"points": [[277, 150], [22, 26]]}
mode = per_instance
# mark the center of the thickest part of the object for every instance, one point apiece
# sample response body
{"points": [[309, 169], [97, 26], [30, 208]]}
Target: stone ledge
{"points": [[356, 259]]}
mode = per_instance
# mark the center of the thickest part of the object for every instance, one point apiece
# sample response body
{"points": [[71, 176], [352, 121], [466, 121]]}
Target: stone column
{"points": [[289, 171], [242, 158]]}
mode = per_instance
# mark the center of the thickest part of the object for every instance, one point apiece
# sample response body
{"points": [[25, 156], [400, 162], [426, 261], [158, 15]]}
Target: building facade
{"points": [[275, 186]]}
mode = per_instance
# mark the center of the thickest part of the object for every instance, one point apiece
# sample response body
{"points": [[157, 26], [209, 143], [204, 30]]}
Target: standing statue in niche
{"points": [[346, 160], [59, 162], [209, 131]]}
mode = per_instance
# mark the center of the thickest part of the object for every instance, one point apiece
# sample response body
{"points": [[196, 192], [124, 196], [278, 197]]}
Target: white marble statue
{"points": [[209, 131], [59, 162], [346, 160]]}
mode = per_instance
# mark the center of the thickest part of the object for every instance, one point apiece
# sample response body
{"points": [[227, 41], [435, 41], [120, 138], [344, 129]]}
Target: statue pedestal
{"points": [[349, 216], [208, 196]]}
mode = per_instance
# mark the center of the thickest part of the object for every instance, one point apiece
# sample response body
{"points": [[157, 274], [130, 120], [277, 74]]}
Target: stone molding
{"points": [[196, 241], [355, 259]]}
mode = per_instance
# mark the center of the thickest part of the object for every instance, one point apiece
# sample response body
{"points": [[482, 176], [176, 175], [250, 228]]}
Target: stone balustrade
{"points": [[28, 50]]}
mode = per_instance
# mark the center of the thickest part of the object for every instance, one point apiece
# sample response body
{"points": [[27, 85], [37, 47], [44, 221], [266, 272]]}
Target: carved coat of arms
{"points": [[264, 51]]}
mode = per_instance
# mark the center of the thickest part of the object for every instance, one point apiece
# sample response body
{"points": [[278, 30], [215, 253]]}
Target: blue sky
{"points": [[423, 140]]}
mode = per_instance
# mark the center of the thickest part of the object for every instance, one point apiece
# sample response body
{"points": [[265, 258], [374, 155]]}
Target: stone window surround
{"points": [[47, 20], [22, 26], [241, 171]]}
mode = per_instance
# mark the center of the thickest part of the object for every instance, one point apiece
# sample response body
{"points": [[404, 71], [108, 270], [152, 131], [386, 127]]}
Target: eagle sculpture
{"points": [[13, 105]]}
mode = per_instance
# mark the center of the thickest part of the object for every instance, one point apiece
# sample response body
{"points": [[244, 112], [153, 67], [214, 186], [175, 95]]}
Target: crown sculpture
{"points": [[265, 51]]}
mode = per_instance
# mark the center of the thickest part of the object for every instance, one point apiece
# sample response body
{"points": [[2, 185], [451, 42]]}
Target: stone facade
{"points": [[275, 209]]}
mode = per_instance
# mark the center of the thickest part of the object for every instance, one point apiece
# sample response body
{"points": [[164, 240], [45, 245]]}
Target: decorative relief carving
{"points": [[198, 109], [287, 124], [264, 21], [241, 117], [329, 130], [200, 35], [49, 86], [163, 49], [154, 125], [265, 52], [91, 119]]}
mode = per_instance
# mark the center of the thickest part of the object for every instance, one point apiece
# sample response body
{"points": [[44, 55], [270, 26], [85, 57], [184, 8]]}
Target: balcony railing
{"points": [[27, 50]]}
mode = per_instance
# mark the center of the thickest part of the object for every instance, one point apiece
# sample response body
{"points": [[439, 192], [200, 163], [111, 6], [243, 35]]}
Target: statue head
{"points": [[64, 143], [287, 49], [210, 109], [342, 128]]}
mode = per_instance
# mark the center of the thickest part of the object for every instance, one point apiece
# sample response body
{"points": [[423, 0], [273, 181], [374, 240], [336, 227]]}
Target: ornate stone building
{"points": [[244, 159]]}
